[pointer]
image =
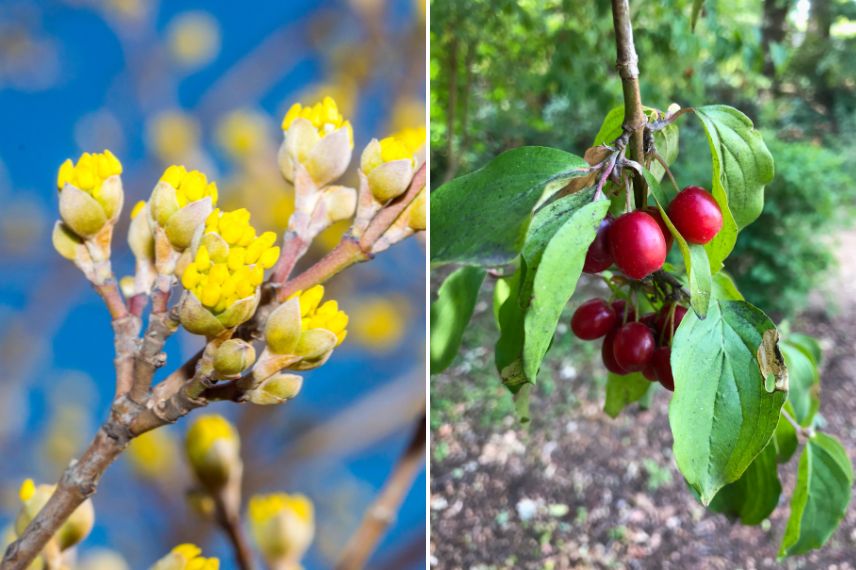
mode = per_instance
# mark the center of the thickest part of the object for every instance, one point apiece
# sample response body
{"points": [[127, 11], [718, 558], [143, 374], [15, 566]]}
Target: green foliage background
{"points": [[505, 73]]}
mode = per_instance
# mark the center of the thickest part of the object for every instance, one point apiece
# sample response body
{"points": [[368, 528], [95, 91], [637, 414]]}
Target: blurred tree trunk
{"points": [[817, 40], [773, 32], [451, 108], [465, 101]]}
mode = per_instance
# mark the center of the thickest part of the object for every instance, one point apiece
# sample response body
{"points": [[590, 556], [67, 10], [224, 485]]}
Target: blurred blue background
{"points": [[203, 84]]}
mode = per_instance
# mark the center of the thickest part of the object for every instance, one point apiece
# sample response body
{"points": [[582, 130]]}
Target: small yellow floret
{"points": [[137, 208], [206, 431], [90, 171], [190, 186], [324, 116], [327, 316], [264, 507], [27, 490]]}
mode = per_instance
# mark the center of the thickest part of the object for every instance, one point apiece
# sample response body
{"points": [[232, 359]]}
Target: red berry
{"points": [[663, 366], [598, 257], [654, 212], [637, 244], [695, 214], [620, 307], [633, 346], [593, 319], [607, 353], [650, 373]]}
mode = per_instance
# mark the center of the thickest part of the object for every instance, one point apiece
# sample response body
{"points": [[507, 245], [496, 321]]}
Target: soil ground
{"points": [[576, 489]]}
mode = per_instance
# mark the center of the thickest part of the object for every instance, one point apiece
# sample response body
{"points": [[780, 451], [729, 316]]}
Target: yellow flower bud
{"points": [[154, 455], [282, 526], [76, 528], [186, 557], [317, 137], [276, 389], [181, 202], [417, 212], [90, 192], [233, 357], [213, 450], [389, 164]]}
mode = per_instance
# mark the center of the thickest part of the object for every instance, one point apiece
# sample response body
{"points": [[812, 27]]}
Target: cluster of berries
{"points": [[631, 343], [637, 242]]}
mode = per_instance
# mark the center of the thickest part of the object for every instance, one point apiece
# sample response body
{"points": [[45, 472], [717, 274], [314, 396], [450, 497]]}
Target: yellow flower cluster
{"points": [[402, 145], [324, 116], [326, 316], [90, 171], [220, 276], [188, 557], [190, 186], [265, 507]]}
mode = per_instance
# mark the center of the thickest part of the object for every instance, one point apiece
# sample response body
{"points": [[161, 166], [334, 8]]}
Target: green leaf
{"points": [[724, 288], [695, 257], [508, 353], [741, 161], [624, 390], [697, 6], [820, 497], [803, 379], [755, 495], [556, 279], [450, 314], [482, 218], [808, 344], [785, 438], [721, 415]]}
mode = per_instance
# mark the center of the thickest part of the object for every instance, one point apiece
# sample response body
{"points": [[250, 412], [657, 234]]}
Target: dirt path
{"points": [[579, 490]]}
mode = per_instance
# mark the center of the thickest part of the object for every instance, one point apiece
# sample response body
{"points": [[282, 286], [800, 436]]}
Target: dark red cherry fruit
{"points": [[637, 244], [654, 212], [650, 373], [633, 346], [593, 319], [695, 214], [663, 367], [598, 256], [608, 356]]}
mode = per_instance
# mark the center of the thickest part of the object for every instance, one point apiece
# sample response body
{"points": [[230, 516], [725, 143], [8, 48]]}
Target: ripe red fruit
{"points": [[607, 354], [637, 244], [654, 212], [695, 214], [633, 346], [598, 256], [593, 319], [663, 367], [650, 373], [620, 307], [652, 321]]}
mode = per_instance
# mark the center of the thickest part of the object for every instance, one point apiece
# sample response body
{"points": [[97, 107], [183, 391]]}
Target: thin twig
{"points": [[230, 521], [383, 511], [803, 431]]}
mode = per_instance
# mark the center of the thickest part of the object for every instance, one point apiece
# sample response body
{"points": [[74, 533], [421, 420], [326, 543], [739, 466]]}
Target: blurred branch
{"points": [[383, 511], [229, 520]]}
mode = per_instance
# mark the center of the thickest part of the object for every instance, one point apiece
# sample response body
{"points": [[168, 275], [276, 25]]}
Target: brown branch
{"points": [[382, 512], [150, 356], [351, 250], [78, 483], [230, 521], [627, 63], [109, 291]]}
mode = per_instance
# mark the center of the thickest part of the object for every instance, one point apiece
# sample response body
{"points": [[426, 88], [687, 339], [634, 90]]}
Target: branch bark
{"points": [[627, 64], [382, 512], [230, 521]]}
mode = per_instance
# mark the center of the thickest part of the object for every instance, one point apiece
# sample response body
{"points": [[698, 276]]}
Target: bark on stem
{"points": [[78, 483], [350, 250], [382, 512], [627, 63]]}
